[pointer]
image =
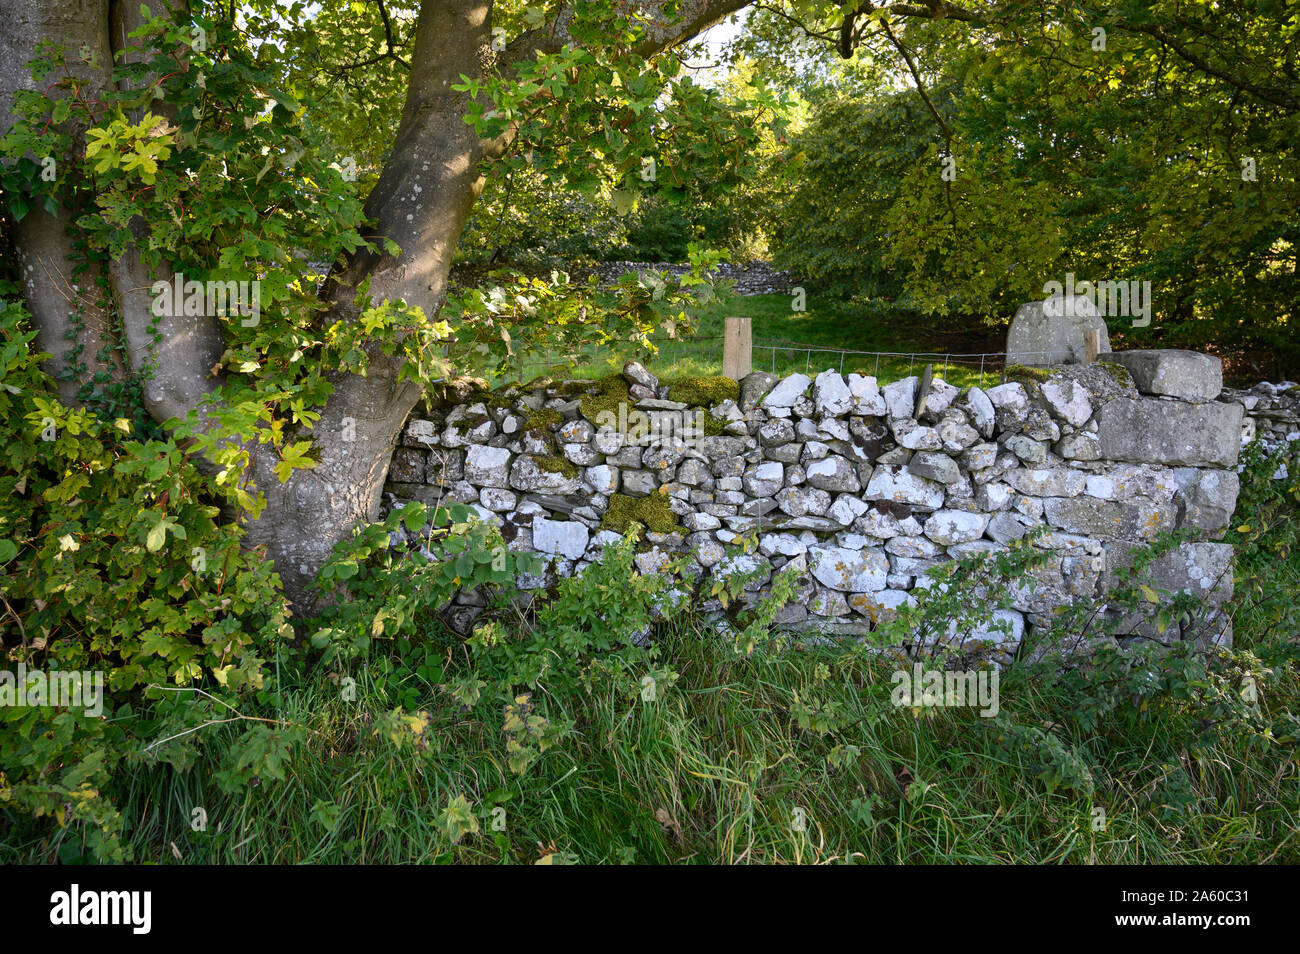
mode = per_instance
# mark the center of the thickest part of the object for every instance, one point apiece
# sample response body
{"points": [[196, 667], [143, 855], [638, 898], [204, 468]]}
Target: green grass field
{"points": [[825, 329]]}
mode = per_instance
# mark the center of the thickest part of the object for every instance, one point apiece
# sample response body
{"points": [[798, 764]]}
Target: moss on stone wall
{"points": [[554, 464], [572, 389], [1026, 375], [704, 392], [651, 512], [611, 391], [543, 419], [1116, 371]]}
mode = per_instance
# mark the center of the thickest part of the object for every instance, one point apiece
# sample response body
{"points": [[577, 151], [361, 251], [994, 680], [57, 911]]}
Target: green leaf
{"points": [[157, 537], [415, 516]]}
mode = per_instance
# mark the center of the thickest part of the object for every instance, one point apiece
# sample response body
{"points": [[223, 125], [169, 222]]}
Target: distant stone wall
{"points": [[750, 278], [754, 278], [863, 488], [1272, 414]]}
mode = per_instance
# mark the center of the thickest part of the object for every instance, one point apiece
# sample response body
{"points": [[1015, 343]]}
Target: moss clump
{"points": [[543, 419], [571, 389], [1116, 371], [651, 512], [714, 427], [610, 392], [1026, 375], [704, 392], [553, 464]]}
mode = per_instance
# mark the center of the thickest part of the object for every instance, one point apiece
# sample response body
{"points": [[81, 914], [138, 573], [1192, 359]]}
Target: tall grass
{"points": [[792, 753]]}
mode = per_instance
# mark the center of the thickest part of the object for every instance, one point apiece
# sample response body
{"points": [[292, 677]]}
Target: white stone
{"points": [[487, 466], [915, 436], [781, 544], [653, 561], [497, 499], [608, 440], [566, 538], [765, 479], [831, 395], [603, 478], [1068, 401], [1047, 482], [896, 484], [846, 509], [701, 521], [1010, 398], [787, 391], [1099, 486], [948, 527], [900, 398], [867, 400], [580, 454], [849, 571], [940, 397], [833, 473], [992, 496], [982, 413]]}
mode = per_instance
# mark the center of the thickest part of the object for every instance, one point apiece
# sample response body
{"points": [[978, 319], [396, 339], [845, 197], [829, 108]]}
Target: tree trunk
{"points": [[422, 201]]}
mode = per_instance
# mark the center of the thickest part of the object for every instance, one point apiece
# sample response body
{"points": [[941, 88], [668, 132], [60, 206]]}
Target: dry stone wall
{"points": [[862, 488], [1272, 417]]}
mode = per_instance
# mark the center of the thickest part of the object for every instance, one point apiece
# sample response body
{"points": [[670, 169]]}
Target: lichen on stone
{"points": [[1116, 371]]}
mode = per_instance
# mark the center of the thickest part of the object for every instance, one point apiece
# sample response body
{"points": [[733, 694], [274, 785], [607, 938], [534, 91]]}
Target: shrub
{"points": [[114, 558]]}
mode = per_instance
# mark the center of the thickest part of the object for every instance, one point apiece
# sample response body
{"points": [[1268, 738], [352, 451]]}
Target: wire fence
{"points": [[981, 362], [702, 354], [592, 359]]}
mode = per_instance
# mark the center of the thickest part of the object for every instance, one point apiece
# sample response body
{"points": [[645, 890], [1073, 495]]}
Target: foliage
{"points": [[392, 593], [115, 559], [1118, 142]]}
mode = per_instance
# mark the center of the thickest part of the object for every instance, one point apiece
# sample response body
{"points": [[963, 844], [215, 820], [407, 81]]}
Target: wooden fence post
{"points": [[737, 348], [1091, 345]]}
